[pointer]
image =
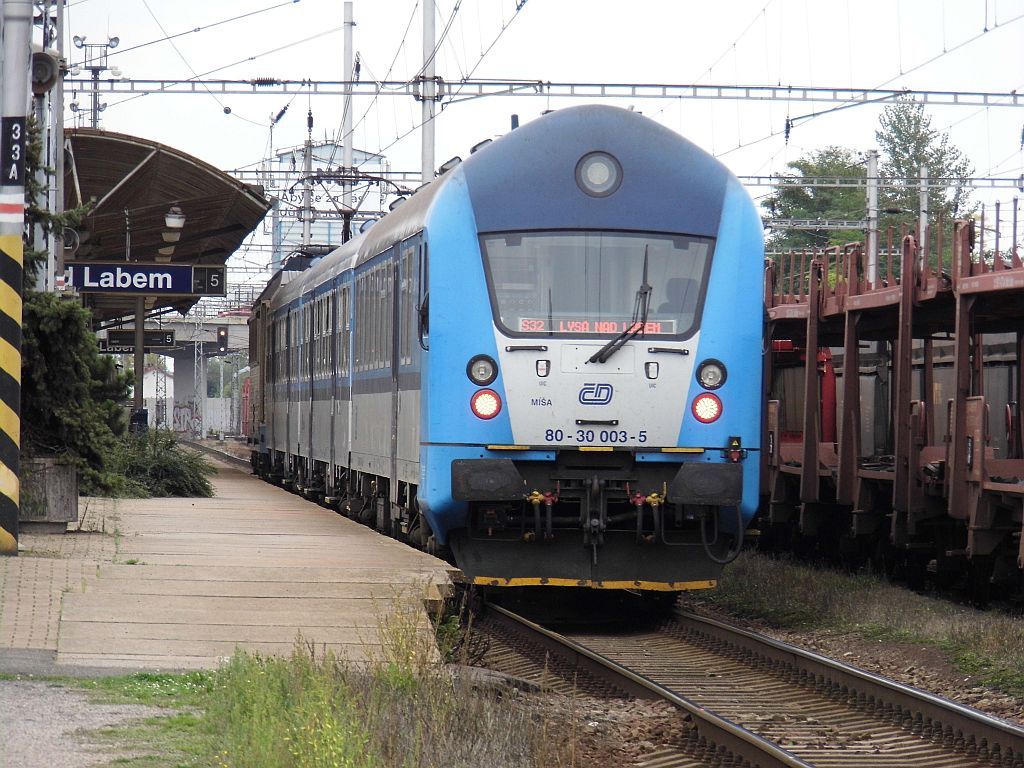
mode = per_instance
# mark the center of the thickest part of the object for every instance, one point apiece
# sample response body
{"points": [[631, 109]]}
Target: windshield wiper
{"points": [[641, 307]]}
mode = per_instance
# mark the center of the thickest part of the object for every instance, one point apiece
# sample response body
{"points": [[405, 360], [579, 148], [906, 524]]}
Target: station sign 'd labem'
{"points": [[148, 279]]}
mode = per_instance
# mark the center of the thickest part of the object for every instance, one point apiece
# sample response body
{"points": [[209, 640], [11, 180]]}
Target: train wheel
{"points": [[979, 580], [367, 513], [882, 560], [916, 570]]}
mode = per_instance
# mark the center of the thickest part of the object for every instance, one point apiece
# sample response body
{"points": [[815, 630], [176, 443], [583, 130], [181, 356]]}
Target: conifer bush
{"points": [[153, 464]]}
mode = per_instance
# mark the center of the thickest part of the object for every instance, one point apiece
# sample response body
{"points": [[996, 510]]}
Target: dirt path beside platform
{"points": [[46, 725]]}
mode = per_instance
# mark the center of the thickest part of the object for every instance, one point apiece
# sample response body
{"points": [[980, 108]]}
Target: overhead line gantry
{"points": [[441, 89]]}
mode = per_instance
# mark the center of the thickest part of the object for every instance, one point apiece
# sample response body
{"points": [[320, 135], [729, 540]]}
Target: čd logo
{"points": [[596, 394]]}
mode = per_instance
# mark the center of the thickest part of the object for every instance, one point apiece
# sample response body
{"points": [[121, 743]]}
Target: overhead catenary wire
{"points": [[190, 68], [221, 68], [167, 38], [936, 57]]}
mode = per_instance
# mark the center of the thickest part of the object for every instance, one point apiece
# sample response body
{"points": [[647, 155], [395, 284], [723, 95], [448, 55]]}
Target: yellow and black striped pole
{"points": [[17, 30]]}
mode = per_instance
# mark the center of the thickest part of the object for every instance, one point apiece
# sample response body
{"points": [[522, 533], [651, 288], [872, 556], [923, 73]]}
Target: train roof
{"points": [[671, 183], [668, 183]]}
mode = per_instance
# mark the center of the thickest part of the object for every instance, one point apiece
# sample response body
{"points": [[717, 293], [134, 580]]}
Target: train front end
{"points": [[593, 379]]}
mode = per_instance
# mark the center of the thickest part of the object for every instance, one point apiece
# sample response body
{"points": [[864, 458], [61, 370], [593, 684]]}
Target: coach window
{"points": [[344, 330], [363, 324], [377, 317], [388, 276], [325, 336], [372, 318], [318, 334], [271, 350], [382, 300], [358, 320], [423, 298], [367, 323], [314, 347], [405, 304], [319, 351]]}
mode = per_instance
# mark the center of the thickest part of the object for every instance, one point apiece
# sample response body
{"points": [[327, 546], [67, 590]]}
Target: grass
{"points": [[313, 710], [987, 644]]}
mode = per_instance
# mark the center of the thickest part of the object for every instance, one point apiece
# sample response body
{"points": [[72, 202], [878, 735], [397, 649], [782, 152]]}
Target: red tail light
{"points": [[485, 404], [706, 407]]}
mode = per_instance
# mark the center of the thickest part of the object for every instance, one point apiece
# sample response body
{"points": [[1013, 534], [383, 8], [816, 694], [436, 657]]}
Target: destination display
{"points": [[122, 341], [582, 325], [148, 279]]}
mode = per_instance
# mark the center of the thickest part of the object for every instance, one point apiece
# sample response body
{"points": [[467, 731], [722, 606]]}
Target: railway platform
{"points": [[173, 584]]}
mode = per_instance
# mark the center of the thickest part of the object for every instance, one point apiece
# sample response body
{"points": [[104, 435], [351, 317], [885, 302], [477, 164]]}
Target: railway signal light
{"points": [[222, 339]]}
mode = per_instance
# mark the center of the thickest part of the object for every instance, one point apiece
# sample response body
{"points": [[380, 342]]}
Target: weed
{"points": [[402, 709], [790, 595], [154, 689]]}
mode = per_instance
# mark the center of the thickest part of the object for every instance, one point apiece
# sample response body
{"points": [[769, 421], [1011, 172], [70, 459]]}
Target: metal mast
{"points": [[346, 126], [17, 33], [307, 183], [428, 92]]}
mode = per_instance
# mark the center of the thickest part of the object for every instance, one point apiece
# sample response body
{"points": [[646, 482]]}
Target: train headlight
{"points": [[485, 404], [598, 174], [482, 370], [706, 407], [711, 374]]}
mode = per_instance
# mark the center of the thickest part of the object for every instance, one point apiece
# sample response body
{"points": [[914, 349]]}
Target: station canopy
{"points": [[135, 187]]}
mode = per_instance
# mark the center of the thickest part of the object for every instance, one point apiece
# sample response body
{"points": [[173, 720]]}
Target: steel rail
{"points": [[224, 456], [743, 744], [923, 708]]}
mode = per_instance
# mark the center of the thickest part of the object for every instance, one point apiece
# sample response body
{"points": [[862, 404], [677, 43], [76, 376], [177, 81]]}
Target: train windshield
{"points": [[573, 283]]}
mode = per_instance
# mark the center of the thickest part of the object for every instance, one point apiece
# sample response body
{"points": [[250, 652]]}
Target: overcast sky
{"points": [[917, 44]]}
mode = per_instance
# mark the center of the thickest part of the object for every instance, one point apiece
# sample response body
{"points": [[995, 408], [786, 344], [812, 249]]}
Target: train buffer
{"points": [[186, 581]]}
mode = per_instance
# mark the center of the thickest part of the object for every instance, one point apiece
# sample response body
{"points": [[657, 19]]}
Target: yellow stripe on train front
{"points": [[653, 586]]}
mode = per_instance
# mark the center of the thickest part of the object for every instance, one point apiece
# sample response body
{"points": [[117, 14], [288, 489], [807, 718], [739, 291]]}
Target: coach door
{"points": [[394, 277], [289, 415], [404, 374]]}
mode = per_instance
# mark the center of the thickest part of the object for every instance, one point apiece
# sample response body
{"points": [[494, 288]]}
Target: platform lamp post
{"points": [[174, 222], [95, 62]]}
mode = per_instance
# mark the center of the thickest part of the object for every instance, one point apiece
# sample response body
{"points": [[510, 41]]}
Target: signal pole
{"points": [[17, 54], [346, 131], [428, 92]]}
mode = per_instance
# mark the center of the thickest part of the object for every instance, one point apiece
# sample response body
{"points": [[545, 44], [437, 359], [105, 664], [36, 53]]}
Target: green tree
{"points": [[807, 202], [36, 213], [907, 141], [71, 394]]}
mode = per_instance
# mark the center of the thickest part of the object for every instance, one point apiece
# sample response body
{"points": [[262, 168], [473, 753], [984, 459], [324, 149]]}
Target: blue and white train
{"points": [[546, 362]]}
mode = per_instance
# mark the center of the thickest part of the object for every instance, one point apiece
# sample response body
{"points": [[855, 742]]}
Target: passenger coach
{"points": [[546, 362]]}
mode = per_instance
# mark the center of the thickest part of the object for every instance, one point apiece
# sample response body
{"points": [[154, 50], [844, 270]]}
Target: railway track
{"points": [[217, 454], [754, 701]]}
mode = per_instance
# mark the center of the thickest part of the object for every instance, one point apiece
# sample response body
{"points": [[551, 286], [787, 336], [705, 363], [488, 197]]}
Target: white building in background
{"points": [[285, 187], [219, 414], [158, 396]]}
